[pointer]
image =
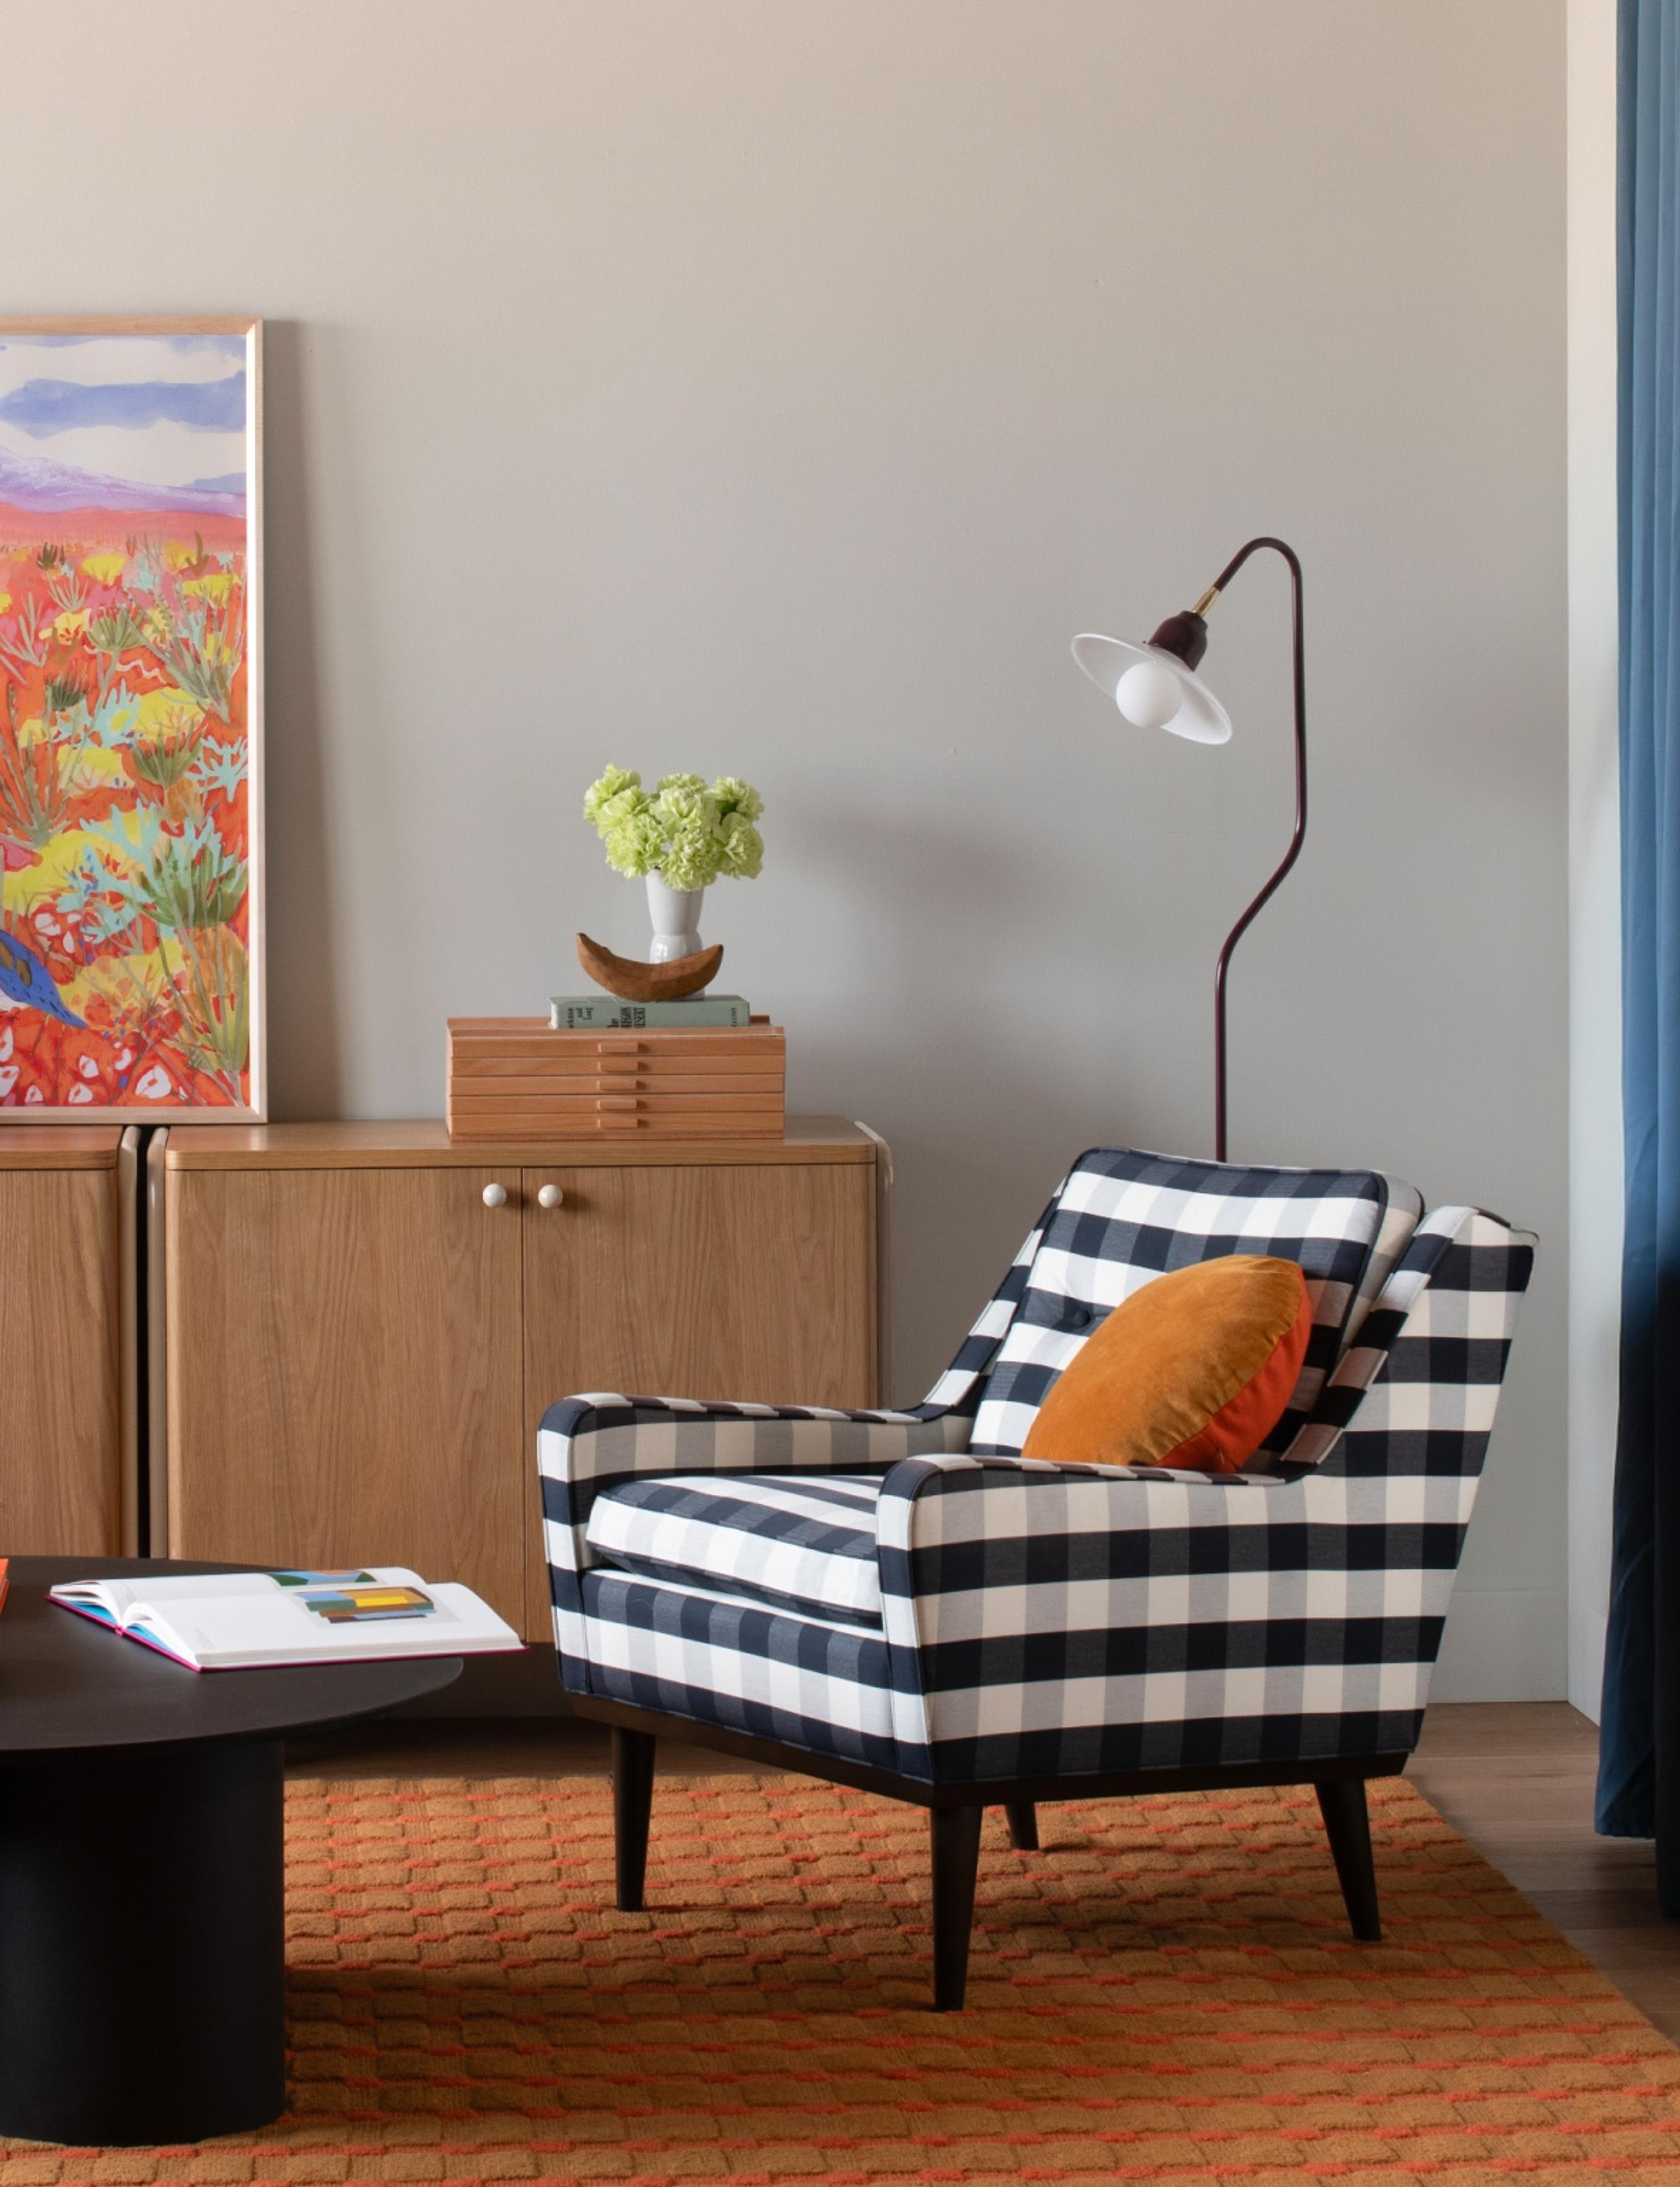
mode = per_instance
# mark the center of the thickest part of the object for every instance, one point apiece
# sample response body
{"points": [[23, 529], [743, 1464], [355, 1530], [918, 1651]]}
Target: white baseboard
{"points": [[1504, 1644]]}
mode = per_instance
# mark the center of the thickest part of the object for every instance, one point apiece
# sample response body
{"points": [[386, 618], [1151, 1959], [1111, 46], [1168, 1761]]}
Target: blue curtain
{"points": [[1639, 1746]]}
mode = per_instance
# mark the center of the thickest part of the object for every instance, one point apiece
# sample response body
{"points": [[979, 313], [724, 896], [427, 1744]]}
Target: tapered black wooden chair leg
{"points": [[1022, 1825], [1347, 1824], [956, 1859], [632, 1810]]}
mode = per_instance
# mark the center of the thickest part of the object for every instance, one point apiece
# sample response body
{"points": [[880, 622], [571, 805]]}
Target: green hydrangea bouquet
{"points": [[683, 832]]}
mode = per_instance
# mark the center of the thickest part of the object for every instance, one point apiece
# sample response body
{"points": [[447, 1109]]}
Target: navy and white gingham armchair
{"points": [[899, 1600]]}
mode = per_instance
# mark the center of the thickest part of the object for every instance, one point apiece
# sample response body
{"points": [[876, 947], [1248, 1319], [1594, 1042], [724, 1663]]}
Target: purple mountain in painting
{"points": [[30, 482]]}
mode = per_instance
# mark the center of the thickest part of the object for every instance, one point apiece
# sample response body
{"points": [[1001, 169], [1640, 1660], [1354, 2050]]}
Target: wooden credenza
{"points": [[363, 1324], [68, 1397]]}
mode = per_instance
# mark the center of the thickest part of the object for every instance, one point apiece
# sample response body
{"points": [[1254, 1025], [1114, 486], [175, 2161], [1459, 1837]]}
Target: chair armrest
{"points": [[587, 1443], [584, 1444], [1060, 1622], [1418, 1388], [1029, 1604]]}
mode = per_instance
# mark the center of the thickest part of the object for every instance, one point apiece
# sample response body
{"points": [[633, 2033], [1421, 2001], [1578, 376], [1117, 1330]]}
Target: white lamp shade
{"points": [[1108, 662]]}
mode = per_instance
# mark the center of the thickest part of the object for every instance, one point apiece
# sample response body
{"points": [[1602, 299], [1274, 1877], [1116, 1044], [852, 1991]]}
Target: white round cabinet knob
{"points": [[550, 1196], [495, 1196]]}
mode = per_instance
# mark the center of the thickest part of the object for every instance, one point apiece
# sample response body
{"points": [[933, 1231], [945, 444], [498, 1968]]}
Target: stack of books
{"points": [[645, 1077], [599, 1012]]}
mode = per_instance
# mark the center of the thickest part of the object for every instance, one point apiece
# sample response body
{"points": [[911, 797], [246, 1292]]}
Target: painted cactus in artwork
{"points": [[126, 836]]}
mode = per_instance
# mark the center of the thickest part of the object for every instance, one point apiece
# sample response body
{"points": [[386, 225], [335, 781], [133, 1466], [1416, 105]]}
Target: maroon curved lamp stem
{"points": [[1186, 636]]}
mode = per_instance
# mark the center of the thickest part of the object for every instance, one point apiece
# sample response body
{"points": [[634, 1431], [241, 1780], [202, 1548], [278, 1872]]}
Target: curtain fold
{"points": [[1638, 1793]]}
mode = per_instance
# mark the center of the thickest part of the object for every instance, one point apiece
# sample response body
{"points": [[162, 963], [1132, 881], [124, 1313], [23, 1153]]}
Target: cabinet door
{"points": [[61, 1461], [344, 1372], [753, 1282]]}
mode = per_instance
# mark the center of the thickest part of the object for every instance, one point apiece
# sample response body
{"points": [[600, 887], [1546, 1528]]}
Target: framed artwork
{"points": [[131, 720]]}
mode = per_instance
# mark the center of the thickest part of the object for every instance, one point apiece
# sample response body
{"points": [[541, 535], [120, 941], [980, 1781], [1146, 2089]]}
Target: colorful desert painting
{"points": [[126, 938]]}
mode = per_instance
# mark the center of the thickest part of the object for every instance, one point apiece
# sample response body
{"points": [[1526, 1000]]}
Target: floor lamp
{"points": [[1156, 687]]}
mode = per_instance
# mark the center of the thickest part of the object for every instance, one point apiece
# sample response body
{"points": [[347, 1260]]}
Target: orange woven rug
{"points": [[1167, 1990]]}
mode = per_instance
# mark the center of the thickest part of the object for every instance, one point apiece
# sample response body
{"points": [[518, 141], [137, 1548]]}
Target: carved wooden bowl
{"points": [[637, 982]]}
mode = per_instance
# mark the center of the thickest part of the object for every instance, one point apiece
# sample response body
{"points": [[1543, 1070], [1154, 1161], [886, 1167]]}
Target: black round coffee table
{"points": [[142, 1923]]}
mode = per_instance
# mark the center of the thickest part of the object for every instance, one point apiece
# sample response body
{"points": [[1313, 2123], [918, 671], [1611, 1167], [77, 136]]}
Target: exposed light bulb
{"points": [[1149, 695]]}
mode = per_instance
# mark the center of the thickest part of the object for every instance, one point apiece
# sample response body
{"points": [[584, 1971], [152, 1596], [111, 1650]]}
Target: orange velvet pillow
{"points": [[1194, 1369]]}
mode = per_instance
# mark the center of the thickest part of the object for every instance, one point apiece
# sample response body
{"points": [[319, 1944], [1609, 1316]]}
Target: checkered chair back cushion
{"points": [[1120, 1218]]}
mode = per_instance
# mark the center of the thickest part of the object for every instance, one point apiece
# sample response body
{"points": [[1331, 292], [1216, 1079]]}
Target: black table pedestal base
{"points": [[142, 1942]]}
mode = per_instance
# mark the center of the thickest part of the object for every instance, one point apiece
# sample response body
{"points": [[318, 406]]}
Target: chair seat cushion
{"points": [[799, 1542]]}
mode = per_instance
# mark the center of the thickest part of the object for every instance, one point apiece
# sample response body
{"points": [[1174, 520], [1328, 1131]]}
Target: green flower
{"points": [[685, 832], [684, 798], [691, 861], [741, 853], [682, 870], [734, 795], [635, 841], [625, 807], [609, 789]]}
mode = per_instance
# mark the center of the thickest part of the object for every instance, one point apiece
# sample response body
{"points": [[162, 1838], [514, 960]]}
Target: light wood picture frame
{"points": [[131, 937]]}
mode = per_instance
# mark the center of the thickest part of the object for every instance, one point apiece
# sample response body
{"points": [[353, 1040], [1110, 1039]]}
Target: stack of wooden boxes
{"points": [[517, 1078]]}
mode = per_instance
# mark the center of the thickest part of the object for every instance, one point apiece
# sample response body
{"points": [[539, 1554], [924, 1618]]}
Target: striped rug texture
{"points": [[1168, 1991]]}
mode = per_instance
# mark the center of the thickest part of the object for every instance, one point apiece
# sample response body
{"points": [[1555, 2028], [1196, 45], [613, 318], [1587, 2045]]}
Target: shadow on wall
{"points": [[305, 1073], [924, 949], [976, 1160]]}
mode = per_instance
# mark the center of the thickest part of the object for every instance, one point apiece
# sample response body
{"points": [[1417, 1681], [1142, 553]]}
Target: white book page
{"points": [[230, 1632], [120, 1596], [282, 1630]]}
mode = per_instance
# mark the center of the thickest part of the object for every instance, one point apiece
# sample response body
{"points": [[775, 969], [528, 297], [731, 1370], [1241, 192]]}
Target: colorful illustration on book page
{"points": [[130, 972]]}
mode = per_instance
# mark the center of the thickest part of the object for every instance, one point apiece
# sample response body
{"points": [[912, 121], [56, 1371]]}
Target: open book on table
{"points": [[241, 1621]]}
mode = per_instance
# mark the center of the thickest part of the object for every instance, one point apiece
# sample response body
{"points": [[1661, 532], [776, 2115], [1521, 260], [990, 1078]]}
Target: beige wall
{"points": [[773, 386]]}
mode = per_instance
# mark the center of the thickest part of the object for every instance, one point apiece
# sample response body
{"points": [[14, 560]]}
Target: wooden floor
{"points": [[1515, 1778]]}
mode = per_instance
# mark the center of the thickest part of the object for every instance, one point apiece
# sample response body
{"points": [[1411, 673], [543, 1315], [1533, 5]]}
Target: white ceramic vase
{"points": [[676, 916]]}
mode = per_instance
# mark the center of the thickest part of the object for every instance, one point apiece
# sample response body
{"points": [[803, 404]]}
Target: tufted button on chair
{"points": [[901, 1601]]}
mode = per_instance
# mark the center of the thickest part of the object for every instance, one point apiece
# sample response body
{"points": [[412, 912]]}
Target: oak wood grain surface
{"points": [[1518, 1778], [624, 1114], [520, 1077], [359, 1350], [59, 1146], [578, 1085], [536, 1037], [424, 1143], [129, 1191], [734, 1101], [511, 1075], [753, 1284], [538, 1047], [60, 1414], [343, 1362]]}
